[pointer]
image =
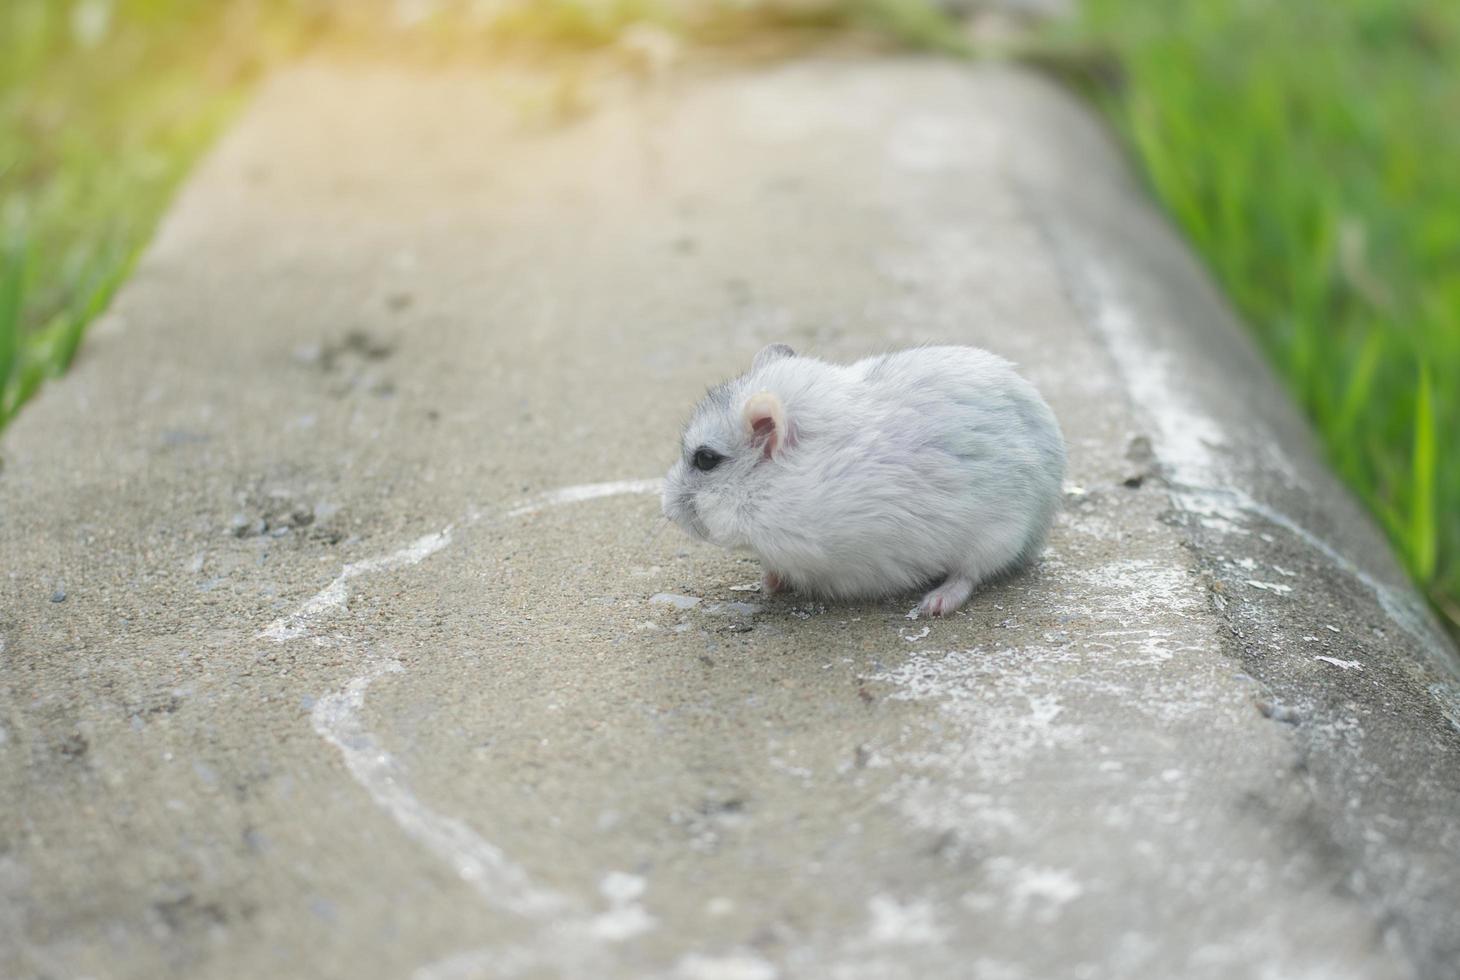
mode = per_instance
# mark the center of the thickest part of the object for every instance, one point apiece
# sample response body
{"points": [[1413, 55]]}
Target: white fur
{"points": [[931, 466]]}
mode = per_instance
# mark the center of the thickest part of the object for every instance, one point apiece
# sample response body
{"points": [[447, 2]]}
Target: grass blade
{"points": [[1421, 532], [12, 282]]}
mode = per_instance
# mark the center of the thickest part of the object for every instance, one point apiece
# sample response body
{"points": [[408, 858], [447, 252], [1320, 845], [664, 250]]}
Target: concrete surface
{"points": [[342, 637]]}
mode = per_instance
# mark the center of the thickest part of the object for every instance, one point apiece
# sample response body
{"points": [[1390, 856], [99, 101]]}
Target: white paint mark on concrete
{"points": [[1187, 444], [1270, 586], [1342, 664], [476, 964], [1130, 587], [334, 596], [1013, 719], [336, 718], [620, 887], [619, 924], [1044, 890], [499, 881], [895, 923], [734, 966], [583, 491], [919, 635], [1186, 438], [625, 918]]}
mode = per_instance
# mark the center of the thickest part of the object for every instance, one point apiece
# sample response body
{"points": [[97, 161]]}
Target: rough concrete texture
{"points": [[342, 636]]}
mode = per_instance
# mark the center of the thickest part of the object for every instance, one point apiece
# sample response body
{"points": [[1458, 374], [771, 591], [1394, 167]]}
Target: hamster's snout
{"points": [[678, 504]]}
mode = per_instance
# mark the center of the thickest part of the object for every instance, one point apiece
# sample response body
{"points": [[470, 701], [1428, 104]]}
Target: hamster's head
{"points": [[712, 490]]}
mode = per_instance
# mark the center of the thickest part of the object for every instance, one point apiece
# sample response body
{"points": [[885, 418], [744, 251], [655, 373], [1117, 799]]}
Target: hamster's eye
{"points": [[706, 459]]}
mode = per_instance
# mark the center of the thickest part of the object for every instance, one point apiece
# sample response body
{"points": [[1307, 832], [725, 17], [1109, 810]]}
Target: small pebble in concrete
{"points": [[674, 599], [1279, 712], [59, 595]]}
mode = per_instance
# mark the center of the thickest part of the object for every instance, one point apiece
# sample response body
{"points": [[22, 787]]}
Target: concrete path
{"points": [[341, 635]]}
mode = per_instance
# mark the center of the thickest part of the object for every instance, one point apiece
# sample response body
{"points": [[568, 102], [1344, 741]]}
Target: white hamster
{"points": [[933, 467]]}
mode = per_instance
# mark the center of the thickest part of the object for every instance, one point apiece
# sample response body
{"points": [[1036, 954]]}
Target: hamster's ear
{"points": [[765, 422], [769, 353]]}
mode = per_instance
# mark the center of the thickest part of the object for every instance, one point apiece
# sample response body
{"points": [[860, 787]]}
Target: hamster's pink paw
{"points": [[947, 597], [771, 583]]}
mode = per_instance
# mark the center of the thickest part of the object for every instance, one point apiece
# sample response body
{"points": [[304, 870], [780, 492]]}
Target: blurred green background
{"points": [[1310, 149]]}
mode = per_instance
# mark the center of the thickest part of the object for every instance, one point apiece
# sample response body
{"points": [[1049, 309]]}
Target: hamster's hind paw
{"points": [[771, 583], [947, 597]]}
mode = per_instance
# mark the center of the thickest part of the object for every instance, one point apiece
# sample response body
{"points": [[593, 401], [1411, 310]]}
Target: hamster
{"points": [[935, 467]]}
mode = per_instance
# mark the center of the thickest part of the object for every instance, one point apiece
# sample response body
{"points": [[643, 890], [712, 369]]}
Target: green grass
{"points": [[1310, 149], [94, 135]]}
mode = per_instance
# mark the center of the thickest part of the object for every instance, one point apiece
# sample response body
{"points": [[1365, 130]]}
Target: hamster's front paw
{"points": [[771, 583], [947, 597]]}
